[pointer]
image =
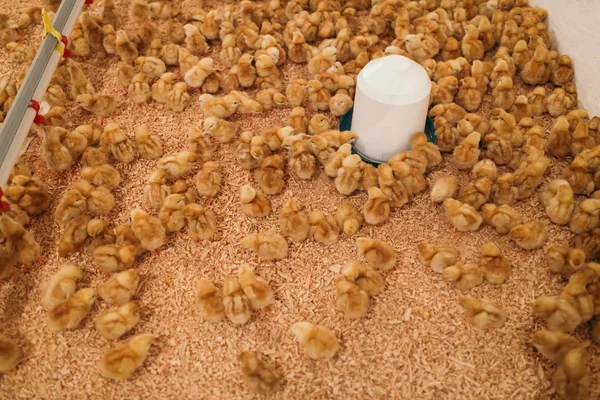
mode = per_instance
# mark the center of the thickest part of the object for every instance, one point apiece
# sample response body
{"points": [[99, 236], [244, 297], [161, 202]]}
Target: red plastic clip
{"points": [[39, 119], [88, 2], [4, 206], [67, 53]]}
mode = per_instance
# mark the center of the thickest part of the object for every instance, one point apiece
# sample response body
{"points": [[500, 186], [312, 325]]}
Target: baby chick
{"points": [[351, 299], [208, 179], [468, 95], [122, 361], [120, 287], [530, 235], [340, 104], [150, 146], [558, 199], [199, 143], [256, 289], [463, 276], [261, 377], [483, 313], [100, 105], [112, 257], [198, 73], [296, 92], [496, 267], [377, 208], [444, 188], [178, 164], [563, 72], [27, 249], [102, 175], [125, 49], [348, 219], [270, 98], [201, 222], [323, 228], [297, 119], [29, 193], [559, 313], [267, 245], [236, 304], [100, 200], [365, 277], [147, 229], [379, 255], [564, 260], [115, 322], [74, 235], [269, 175], [254, 203], [293, 222], [502, 217], [219, 107], [69, 313], [60, 286], [317, 341], [553, 345], [462, 216], [10, 354], [301, 162], [438, 257], [466, 154], [178, 97], [171, 213], [210, 301], [585, 216]]}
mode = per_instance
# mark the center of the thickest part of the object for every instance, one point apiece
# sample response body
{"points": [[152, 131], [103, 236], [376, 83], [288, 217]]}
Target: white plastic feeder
{"points": [[390, 106]]}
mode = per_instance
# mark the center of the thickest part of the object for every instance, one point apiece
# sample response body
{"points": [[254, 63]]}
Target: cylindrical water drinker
{"points": [[390, 106]]}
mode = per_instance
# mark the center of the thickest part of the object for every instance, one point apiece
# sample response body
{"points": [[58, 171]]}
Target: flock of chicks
{"points": [[475, 51]]}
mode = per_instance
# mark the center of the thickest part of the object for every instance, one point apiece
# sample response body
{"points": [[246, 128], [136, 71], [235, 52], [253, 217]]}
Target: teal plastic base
{"points": [[346, 124]]}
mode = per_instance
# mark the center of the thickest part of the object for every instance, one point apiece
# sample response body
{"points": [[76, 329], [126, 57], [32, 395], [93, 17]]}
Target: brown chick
{"points": [[171, 213], [468, 95], [201, 222], [120, 287], [558, 312], [438, 257], [122, 361], [463, 276], [462, 216], [317, 341], [178, 97], [420, 143], [178, 164], [210, 301], [530, 235], [10, 354], [100, 105], [269, 175], [267, 245], [476, 193], [115, 322], [365, 277], [72, 204], [563, 72], [394, 190], [296, 92], [558, 199], [236, 304], [323, 228], [112, 257], [502, 217], [200, 143], [379, 255], [60, 286], [585, 216], [149, 146], [348, 219], [297, 119], [156, 190], [301, 163], [147, 229], [208, 180], [69, 313], [483, 313], [554, 345], [496, 267], [102, 175], [503, 94], [116, 142], [55, 154], [576, 174], [351, 299], [26, 248], [261, 377], [254, 203], [100, 200], [125, 49], [293, 222], [256, 289], [219, 107], [466, 154], [377, 208], [29, 193], [565, 260], [534, 71], [334, 160], [349, 174], [74, 235]]}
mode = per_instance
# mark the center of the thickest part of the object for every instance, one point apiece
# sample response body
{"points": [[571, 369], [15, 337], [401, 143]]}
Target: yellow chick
{"points": [[210, 301], [178, 164], [221, 130], [462, 216], [74, 235], [521, 108], [120, 287], [581, 139], [301, 163], [261, 377], [269, 175], [366, 278], [564, 260], [60, 286], [178, 98], [483, 313], [563, 72], [296, 92], [208, 179], [530, 235], [156, 190], [171, 213], [270, 98], [318, 96], [194, 41], [100, 105], [122, 361], [476, 193], [553, 345], [116, 321], [349, 174], [394, 190], [351, 299], [201, 222], [72, 204], [585, 216], [558, 312], [463, 276], [298, 51], [578, 177], [340, 104], [323, 228], [29, 193], [229, 54], [219, 107], [317, 341], [297, 119], [112, 257], [125, 49], [102, 175], [10, 354], [200, 143], [149, 146], [557, 197], [496, 267], [534, 71], [377, 208], [558, 103], [348, 218], [379, 255], [254, 203], [293, 222], [199, 72], [472, 48], [502, 217], [236, 304], [246, 72], [256, 289], [100, 200], [139, 89], [503, 94], [438, 257], [468, 95], [466, 154], [421, 48], [147, 229], [69, 313], [26, 248], [323, 61], [55, 154], [267, 245]]}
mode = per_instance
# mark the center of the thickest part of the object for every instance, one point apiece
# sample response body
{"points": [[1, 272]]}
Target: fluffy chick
{"points": [[463, 276], [351, 299], [438, 257], [558, 199], [115, 322], [122, 360], [261, 377], [379, 255], [120, 287], [483, 313], [269, 175], [466, 154], [348, 218], [267, 245], [60, 286], [256, 289], [147, 229], [377, 208], [150, 146], [530, 235], [564, 260], [236, 304], [317, 341], [201, 222], [496, 267], [210, 301], [323, 228], [462, 216], [69, 313], [254, 203], [208, 180], [502, 217], [293, 222]]}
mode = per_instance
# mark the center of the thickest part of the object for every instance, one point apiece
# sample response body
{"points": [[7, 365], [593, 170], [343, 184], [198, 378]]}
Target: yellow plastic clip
{"points": [[49, 30]]}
